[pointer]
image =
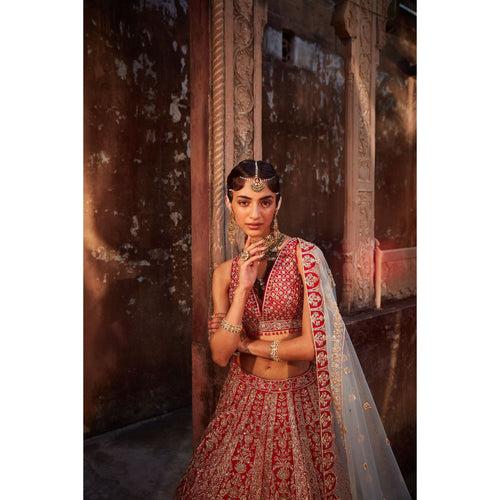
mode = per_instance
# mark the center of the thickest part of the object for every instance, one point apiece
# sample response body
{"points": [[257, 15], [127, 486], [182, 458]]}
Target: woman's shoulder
{"points": [[306, 248], [310, 248], [304, 245]]}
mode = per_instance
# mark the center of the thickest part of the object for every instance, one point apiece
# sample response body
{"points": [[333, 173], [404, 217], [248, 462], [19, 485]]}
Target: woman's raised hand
{"points": [[249, 267]]}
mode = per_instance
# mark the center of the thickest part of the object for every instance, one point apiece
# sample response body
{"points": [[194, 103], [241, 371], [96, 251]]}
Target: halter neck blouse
{"points": [[282, 302]]}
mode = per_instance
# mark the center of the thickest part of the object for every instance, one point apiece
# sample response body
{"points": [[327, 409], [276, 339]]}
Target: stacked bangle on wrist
{"points": [[274, 350], [236, 329]]}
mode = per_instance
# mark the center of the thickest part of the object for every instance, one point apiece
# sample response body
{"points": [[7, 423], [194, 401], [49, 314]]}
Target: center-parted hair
{"points": [[246, 169]]}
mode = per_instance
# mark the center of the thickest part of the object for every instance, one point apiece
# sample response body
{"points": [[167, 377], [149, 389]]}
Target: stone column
{"points": [[361, 26], [234, 134]]}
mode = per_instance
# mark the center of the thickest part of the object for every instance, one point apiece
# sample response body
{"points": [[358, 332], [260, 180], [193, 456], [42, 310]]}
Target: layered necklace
{"points": [[273, 243]]}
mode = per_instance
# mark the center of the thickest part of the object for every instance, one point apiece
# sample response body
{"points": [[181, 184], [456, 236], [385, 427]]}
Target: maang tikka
{"points": [[257, 183]]}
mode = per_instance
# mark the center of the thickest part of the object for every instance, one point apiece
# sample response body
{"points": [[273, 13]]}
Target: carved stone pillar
{"points": [[234, 133], [361, 26], [243, 27], [236, 101]]}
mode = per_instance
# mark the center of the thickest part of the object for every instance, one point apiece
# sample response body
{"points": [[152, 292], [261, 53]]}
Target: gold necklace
{"points": [[274, 243], [270, 255]]}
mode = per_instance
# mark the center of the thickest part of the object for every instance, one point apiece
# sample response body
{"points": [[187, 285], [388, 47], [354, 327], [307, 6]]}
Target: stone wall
{"points": [[137, 211], [395, 165], [385, 342], [303, 122], [303, 112]]}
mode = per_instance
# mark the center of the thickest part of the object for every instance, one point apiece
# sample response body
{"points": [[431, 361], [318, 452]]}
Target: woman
{"points": [[295, 418]]}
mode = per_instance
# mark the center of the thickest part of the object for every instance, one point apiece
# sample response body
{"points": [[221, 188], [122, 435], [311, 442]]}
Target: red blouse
{"points": [[281, 307]]}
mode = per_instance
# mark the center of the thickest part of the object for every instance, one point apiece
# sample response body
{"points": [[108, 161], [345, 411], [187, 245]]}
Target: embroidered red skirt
{"points": [[262, 443]]}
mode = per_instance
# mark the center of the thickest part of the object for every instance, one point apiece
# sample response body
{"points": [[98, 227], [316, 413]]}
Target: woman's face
{"points": [[254, 211]]}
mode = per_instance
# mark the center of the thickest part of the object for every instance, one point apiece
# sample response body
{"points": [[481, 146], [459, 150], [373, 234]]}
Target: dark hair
{"points": [[246, 169]]}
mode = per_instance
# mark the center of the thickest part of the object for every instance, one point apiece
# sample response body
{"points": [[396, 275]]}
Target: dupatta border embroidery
{"points": [[324, 378]]}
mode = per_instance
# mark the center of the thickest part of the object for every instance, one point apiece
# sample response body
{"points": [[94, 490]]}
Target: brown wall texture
{"points": [[303, 122], [137, 211], [395, 163], [385, 342], [303, 134]]}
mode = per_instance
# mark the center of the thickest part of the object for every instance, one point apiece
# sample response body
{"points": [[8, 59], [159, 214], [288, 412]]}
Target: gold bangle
{"points": [[274, 350], [236, 329]]}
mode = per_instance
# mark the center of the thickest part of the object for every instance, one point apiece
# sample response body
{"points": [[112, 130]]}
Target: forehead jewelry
{"points": [[257, 183]]}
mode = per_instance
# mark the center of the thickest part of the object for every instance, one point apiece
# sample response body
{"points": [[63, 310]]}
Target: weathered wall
{"points": [[303, 120], [395, 166], [303, 134], [137, 211], [385, 342]]}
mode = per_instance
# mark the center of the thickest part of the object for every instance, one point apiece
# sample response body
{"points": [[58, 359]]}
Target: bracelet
{"points": [[236, 329], [274, 350]]}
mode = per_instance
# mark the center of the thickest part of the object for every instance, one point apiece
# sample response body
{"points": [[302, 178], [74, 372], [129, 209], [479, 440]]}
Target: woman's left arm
{"points": [[297, 349]]}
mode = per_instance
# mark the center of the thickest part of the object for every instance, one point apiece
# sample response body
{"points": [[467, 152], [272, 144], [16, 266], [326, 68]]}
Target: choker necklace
{"points": [[273, 242]]}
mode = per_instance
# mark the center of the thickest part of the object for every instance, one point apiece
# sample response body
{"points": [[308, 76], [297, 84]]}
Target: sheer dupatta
{"points": [[358, 462]]}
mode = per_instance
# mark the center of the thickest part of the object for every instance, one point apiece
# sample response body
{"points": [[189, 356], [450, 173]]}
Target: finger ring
{"points": [[245, 255]]}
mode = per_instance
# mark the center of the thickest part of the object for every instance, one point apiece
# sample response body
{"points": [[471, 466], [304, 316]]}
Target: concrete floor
{"points": [[143, 461]]}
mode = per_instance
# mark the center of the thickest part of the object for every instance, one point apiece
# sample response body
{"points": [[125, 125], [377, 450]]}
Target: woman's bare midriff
{"points": [[269, 369]]}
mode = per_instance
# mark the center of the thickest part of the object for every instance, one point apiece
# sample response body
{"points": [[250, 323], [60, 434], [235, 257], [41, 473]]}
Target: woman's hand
{"points": [[248, 268], [214, 322], [243, 344]]}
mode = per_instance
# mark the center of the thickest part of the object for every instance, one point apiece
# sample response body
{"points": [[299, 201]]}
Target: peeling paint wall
{"points": [[395, 166], [303, 122], [137, 211]]}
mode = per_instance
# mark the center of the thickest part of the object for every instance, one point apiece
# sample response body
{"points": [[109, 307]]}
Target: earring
{"points": [[231, 230], [276, 231]]}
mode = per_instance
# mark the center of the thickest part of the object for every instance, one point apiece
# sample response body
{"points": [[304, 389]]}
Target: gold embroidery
{"points": [[281, 306], [316, 300], [330, 275], [366, 405], [263, 441], [273, 325]]}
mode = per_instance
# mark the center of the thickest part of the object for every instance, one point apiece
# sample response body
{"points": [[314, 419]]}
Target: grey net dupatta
{"points": [[358, 462]]}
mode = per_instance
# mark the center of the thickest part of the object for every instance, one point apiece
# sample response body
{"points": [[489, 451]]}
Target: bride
{"points": [[295, 418]]}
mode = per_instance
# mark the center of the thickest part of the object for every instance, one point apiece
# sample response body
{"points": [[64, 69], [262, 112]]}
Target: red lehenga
{"points": [[314, 436]]}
